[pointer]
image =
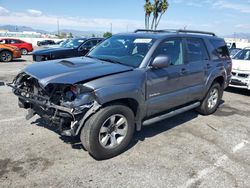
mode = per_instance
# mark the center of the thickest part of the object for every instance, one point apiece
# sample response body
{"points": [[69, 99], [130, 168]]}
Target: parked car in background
{"points": [[74, 48], [7, 53], [234, 51], [45, 42], [241, 69], [23, 46], [127, 81], [61, 44]]}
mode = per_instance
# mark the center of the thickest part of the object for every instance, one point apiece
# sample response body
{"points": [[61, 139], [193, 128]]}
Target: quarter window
{"points": [[196, 50], [173, 49], [221, 50]]}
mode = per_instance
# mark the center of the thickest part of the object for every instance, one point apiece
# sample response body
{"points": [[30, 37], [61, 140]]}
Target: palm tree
{"points": [[162, 9], [155, 12], [148, 8], [158, 8]]}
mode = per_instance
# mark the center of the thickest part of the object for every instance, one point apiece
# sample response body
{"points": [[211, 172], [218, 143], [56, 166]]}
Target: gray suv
{"points": [[127, 81]]}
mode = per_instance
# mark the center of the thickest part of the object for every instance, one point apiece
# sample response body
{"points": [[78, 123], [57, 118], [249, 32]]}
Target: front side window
{"points": [[173, 49], [196, 50], [126, 50], [74, 43], [243, 55]]}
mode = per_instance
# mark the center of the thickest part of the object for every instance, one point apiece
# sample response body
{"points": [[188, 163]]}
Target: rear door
{"points": [[167, 87], [198, 62]]}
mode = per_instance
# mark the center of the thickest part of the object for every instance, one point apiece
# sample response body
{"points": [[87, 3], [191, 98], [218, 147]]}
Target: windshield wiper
{"points": [[110, 60]]}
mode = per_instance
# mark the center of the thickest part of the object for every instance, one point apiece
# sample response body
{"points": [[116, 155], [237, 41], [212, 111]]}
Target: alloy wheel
{"points": [[113, 131]]}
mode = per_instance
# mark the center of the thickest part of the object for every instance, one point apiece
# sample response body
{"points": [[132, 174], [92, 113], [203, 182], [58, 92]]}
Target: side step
{"points": [[170, 114]]}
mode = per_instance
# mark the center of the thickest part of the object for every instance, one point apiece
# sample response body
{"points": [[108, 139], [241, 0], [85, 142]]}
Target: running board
{"points": [[170, 114]]}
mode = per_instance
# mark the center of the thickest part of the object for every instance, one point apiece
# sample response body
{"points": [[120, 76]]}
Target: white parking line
{"points": [[219, 163], [240, 146], [11, 119]]}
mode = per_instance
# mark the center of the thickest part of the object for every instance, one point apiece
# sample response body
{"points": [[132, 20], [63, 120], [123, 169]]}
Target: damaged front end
{"points": [[64, 105]]}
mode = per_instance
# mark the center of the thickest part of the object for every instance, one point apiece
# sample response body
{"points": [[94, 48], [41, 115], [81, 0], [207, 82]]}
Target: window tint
{"points": [[3, 41], [221, 50], [196, 50], [13, 41], [88, 44], [173, 49]]}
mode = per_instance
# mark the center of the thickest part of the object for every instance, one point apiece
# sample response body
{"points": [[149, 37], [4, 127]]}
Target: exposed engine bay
{"points": [[67, 106]]}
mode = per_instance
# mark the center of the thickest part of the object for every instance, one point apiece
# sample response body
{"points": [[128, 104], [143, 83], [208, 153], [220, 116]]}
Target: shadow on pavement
{"points": [[238, 91], [146, 132]]}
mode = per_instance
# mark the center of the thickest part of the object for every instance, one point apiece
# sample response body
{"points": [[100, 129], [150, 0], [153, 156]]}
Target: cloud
{"points": [[4, 11], [34, 12], [240, 7]]}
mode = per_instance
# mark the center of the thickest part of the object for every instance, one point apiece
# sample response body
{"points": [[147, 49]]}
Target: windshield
{"points": [[243, 55], [126, 50], [74, 43]]}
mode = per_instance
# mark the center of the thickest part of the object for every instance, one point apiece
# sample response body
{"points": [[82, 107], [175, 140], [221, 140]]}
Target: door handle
{"points": [[209, 65], [183, 71]]}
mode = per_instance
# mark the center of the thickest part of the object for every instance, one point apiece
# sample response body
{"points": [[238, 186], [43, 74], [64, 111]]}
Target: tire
{"points": [[101, 132], [24, 51], [6, 56], [212, 100]]}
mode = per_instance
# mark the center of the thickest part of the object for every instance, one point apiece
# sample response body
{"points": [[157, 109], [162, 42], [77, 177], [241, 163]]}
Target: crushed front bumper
{"points": [[56, 114]]}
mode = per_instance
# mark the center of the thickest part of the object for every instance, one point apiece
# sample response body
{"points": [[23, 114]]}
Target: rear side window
{"points": [[220, 49], [196, 50]]}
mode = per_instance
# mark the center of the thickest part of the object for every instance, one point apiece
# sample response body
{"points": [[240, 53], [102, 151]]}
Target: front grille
{"points": [[243, 75], [237, 82]]}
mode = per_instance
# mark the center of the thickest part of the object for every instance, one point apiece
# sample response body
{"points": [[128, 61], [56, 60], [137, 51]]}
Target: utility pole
{"points": [[58, 31], [111, 28]]}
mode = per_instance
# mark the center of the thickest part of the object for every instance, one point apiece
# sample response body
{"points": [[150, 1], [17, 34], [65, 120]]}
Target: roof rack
{"points": [[175, 31]]}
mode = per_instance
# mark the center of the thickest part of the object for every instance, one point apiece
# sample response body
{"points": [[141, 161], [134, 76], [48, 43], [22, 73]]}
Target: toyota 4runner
{"points": [[127, 81]]}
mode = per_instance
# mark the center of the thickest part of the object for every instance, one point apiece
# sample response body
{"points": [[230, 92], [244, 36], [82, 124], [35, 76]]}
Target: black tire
{"points": [[204, 108], [24, 51], [90, 133], [6, 56]]}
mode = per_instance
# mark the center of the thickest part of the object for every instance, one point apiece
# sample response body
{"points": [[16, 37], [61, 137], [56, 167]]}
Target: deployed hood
{"points": [[50, 50], [72, 70], [241, 65]]}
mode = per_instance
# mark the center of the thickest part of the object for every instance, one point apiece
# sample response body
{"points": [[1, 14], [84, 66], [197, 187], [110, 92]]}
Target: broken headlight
{"points": [[78, 97]]}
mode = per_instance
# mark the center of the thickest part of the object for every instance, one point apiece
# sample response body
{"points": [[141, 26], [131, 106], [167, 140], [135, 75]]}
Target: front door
{"points": [[167, 87]]}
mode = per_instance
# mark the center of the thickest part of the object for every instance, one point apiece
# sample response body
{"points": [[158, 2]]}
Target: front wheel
{"points": [[212, 100], [6, 56], [108, 132]]}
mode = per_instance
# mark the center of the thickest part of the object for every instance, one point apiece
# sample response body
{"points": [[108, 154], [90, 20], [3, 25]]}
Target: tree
{"points": [[107, 34], [148, 8], [70, 35], [158, 8], [93, 35]]}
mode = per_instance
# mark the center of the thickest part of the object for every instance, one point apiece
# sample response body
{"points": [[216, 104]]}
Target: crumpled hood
{"points": [[72, 70], [51, 50], [241, 65]]}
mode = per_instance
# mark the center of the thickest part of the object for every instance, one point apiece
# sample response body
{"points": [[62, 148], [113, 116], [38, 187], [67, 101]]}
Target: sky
{"points": [[220, 16]]}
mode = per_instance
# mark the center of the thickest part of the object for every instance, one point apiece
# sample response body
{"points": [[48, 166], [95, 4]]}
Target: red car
{"points": [[23, 46]]}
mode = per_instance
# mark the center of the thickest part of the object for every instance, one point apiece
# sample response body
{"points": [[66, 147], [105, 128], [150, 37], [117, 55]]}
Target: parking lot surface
{"points": [[188, 150]]}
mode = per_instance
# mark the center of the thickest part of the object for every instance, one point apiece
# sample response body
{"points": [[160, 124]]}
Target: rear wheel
{"points": [[108, 132], [6, 56], [24, 51], [212, 100]]}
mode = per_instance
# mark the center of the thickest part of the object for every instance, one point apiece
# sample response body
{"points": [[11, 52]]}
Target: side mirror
{"points": [[161, 61]]}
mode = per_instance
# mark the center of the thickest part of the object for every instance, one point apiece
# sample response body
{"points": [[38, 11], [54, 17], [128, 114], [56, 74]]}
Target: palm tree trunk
{"points": [[152, 24], [156, 25], [146, 21]]}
